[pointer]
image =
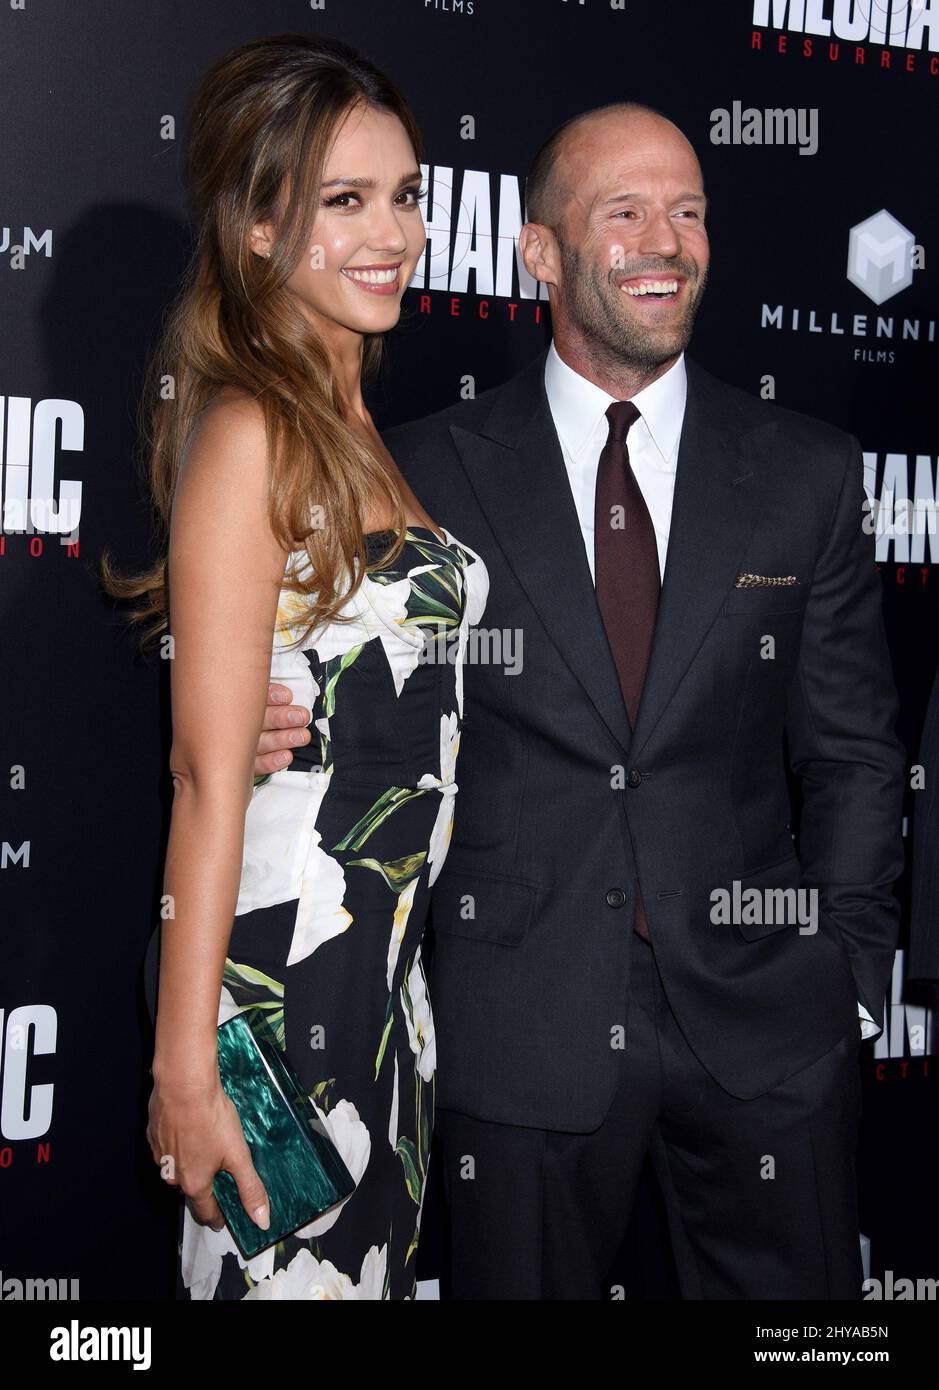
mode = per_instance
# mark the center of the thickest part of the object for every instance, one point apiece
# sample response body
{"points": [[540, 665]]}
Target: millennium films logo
{"points": [[882, 257], [885, 36]]}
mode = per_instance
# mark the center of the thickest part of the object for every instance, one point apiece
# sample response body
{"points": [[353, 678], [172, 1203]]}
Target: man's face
{"points": [[632, 250]]}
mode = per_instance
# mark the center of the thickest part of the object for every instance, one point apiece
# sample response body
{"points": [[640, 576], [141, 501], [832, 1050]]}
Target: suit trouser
{"points": [[760, 1194]]}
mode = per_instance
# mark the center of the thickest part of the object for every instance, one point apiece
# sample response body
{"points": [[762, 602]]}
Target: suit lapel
{"points": [[712, 518], [516, 469]]}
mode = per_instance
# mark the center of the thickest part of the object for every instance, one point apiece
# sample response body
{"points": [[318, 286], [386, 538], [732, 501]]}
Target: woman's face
{"points": [[368, 231]]}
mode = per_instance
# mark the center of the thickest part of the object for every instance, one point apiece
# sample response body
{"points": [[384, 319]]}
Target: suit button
{"points": [[616, 897], [633, 777]]}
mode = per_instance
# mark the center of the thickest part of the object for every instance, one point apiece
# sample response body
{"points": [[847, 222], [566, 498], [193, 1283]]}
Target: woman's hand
{"points": [[194, 1130]]}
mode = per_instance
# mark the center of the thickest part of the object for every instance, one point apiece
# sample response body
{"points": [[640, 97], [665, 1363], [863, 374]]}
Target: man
{"points": [[924, 905], [605, 982]]}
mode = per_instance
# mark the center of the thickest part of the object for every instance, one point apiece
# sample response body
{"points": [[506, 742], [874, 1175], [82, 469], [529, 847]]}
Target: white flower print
{"points": [[279, 825], [305, 1277], [320, 913], [443, 825], [399, 926], [202, 1254], [393, 1122], [354, 1143], [420, 1020]]}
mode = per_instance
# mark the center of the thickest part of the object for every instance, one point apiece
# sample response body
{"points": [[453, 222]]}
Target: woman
{"points": [[297, 552]]}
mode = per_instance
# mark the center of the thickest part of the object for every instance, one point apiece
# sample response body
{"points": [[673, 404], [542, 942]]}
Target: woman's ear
{"points": [[261, 238]]}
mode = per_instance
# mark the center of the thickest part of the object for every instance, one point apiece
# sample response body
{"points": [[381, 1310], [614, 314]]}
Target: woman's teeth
{"points": [[373, 277]]}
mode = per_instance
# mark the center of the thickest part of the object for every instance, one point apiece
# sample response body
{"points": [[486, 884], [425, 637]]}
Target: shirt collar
{"points": [[578, 406]]}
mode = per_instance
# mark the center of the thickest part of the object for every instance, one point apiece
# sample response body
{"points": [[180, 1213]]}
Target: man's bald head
{"points": [[615, 229], [549, 184]]}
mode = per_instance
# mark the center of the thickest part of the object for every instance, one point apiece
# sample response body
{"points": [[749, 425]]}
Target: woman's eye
{"points": [[337, 199]]}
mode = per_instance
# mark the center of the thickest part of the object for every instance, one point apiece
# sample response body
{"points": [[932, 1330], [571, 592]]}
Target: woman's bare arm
{"points": [[225, 572]]}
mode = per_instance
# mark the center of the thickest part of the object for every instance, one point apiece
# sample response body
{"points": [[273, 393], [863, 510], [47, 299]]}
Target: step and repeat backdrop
{"points": [[814, 122]]}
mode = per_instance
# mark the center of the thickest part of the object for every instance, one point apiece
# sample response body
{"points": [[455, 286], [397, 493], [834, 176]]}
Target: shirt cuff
{"points": [[868, 1027]]}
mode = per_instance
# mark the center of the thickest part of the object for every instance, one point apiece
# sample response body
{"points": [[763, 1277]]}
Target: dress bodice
{"points": [[386, 686]]}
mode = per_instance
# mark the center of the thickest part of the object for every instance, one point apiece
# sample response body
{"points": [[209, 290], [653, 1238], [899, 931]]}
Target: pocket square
{"points": [[754, 581]]}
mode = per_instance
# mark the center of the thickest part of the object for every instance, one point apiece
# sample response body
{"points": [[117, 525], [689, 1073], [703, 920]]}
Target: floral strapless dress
{"points": [[340, 852]]}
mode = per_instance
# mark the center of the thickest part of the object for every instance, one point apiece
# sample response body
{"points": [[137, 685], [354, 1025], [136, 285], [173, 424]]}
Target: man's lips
{"points": [[654, 289]]}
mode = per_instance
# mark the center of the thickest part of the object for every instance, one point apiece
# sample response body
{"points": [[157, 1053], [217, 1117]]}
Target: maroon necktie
{"points": [[626, 567]]}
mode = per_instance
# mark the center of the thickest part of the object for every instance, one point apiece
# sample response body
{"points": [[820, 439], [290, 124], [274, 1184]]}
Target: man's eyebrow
{"points": [[362, 181], [637, 197]]}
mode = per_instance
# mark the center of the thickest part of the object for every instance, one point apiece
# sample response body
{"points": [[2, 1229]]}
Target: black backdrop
{"points": [[95, 235]]}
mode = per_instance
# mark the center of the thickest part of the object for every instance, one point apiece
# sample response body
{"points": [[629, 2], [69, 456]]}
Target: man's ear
{"points": [[536, 245]]}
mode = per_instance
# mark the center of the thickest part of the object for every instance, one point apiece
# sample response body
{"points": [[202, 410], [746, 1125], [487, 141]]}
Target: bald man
{"points": [[631, 953]]}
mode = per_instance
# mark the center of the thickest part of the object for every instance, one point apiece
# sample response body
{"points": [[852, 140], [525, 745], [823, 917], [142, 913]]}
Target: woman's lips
{"points": [[381, 287]]}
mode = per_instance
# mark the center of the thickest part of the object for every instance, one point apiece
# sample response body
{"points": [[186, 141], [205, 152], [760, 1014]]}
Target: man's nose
{"points": [[659, 235]]}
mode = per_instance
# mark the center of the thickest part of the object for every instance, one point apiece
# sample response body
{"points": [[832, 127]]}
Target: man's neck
{"points": [[619, 378]]}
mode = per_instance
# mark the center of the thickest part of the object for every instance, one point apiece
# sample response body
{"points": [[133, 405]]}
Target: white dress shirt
{"points": [[578, 409]]}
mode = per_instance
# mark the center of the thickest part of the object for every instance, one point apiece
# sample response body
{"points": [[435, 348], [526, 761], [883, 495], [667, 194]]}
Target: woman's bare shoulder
{"points": [[229, 435]]}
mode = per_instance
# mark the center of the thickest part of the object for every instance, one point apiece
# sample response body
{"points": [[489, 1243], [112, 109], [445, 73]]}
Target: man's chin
{"points": [[652, 349]]}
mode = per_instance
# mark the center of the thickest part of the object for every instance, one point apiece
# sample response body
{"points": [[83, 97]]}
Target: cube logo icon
{"points": [[880, 256]]}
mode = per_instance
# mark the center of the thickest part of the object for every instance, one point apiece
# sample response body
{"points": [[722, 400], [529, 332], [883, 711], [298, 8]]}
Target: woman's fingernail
{"points": [[262, 1217]]}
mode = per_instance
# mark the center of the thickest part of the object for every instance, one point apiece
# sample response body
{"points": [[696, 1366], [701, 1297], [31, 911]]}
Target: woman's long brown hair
{"points": [[263, 121]]}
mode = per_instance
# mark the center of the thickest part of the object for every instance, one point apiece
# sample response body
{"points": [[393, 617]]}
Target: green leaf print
{"points": [[320, 1094], [397, 873], [423, 1126], [389, 1019], [379, 811], [441, 584], [405, 1151], [437, 552], [249, 986], [333, 669], [434, 596], [386, 1282]]}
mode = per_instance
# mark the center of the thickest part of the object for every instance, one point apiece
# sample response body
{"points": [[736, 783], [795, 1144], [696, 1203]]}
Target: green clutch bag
{"points": [[299, 1165]]}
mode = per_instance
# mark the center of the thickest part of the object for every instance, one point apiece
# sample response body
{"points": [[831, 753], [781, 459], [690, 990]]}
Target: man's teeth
{"points": [[652, 287], [373, 277]]}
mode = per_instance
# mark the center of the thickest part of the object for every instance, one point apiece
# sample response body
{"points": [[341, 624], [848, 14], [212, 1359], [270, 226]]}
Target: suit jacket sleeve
{"points": [[843, 745], [924, 919]]}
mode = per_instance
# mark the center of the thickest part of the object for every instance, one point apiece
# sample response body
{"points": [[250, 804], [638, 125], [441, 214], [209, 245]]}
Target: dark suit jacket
{"points": [[924, 919], [532, 932]]}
